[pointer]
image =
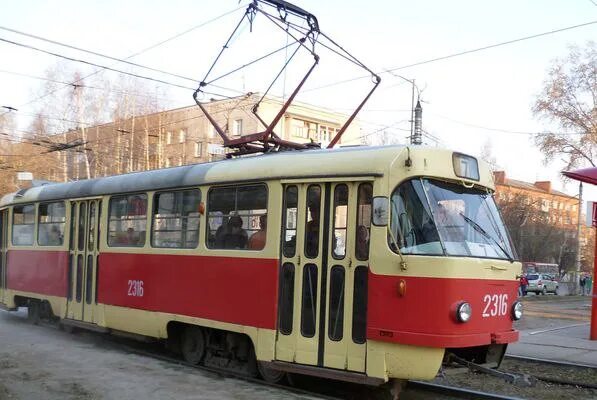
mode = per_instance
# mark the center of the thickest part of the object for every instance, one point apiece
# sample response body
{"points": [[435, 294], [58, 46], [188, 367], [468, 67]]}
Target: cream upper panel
{"points": [[343, 162], [432, 162]]}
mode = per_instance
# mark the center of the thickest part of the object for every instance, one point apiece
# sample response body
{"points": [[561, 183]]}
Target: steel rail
{"points": [[456, 391], [551, 362], [564, 364]]}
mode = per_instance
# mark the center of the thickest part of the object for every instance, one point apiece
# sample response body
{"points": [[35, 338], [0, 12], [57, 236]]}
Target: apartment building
{"points": [[559, 208]]}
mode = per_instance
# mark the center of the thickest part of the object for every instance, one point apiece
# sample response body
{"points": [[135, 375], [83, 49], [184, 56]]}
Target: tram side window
{"points": [[237, 217], [176, 219], [127, 221], [290, 215], [363, 230], [313, 221], [50, 227], [23, 225], [340, 215]]}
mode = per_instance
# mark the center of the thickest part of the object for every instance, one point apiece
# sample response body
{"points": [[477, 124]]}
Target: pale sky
{"points": [[468, 100]]}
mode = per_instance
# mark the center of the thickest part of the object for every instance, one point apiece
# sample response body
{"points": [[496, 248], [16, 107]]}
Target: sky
{"points": [[470, 101]]}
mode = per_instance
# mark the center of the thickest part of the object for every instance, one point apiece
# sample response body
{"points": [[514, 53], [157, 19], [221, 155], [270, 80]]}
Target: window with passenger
{"points": [[127, 221], [50, 227], [23, 225], [176, 219], [237, 217]]}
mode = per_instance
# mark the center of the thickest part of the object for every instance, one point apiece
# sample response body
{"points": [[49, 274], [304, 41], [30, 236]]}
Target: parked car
{"points": [[542, 284]]}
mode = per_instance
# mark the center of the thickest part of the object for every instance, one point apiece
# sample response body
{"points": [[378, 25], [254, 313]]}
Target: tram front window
{"points": [[432, 217]]}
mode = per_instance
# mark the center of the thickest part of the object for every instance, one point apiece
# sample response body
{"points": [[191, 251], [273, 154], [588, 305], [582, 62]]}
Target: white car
{"points": [[542, 284]]}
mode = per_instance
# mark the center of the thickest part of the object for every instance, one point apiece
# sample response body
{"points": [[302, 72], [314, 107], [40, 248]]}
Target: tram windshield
{"points": [[432, 217]]}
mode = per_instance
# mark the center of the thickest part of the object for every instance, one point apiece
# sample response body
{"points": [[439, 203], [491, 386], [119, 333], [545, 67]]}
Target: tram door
{"points": [[323, 274], [3, 244], [84, 248]]}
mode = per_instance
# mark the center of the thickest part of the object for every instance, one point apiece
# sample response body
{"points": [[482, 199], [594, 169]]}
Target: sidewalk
{"points": [[556, 334]]}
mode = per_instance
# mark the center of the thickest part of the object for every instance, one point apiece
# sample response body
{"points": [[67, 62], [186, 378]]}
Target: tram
{"points": [[364, 264]]}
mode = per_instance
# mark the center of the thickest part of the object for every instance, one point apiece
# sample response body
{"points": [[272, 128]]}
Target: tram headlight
{"points": [[516, 310], [464, 312]]}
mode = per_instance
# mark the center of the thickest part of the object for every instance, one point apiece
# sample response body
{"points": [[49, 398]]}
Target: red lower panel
{"points": [[43, 272], [237, 290], [425, 315]]}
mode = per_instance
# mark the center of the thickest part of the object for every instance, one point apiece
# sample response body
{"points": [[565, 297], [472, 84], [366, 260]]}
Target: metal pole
{"points": [[412, 112], [593, 333], [578, 229]]}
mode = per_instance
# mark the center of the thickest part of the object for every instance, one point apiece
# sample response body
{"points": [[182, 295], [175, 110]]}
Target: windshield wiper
{"points": [[482, 231]]}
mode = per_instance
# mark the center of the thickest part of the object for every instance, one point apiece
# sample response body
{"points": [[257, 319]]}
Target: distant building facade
{"points": [[556, 208], [172, 138], [560, 209]]}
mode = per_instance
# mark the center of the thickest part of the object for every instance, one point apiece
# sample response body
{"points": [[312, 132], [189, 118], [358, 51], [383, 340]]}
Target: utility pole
{"points": [[578, 228], [412, 111], [417, 138]]}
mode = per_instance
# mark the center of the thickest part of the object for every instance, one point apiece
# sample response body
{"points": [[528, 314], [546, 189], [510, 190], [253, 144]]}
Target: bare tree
{"points": [[535, 237], [569, 99]]}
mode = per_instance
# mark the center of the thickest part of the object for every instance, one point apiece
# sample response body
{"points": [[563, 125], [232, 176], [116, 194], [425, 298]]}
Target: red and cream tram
{"points": [[361, 264]]}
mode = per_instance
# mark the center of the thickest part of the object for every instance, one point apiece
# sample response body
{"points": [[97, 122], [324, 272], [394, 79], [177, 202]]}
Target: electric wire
{"points": [[491, 46], [136, 54]]}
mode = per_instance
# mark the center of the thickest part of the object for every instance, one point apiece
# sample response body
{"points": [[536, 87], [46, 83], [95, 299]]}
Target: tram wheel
{"points": [[33, 312], [269, 374], [193, 345]]}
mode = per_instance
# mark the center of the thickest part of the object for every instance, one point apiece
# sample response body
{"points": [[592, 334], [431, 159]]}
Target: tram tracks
{"points": [[325, 389], [551, 371]]}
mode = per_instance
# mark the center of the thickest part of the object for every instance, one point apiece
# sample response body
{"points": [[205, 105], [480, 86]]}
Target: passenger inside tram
{"points": [[257, 240], [362, 246], [232, 235]]}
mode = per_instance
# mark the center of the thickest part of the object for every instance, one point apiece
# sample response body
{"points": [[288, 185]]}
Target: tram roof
{"points": [[342, 162]]}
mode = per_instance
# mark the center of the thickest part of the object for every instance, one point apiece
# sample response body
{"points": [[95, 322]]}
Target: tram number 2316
{"points": [[495, 305], [135, 288]]}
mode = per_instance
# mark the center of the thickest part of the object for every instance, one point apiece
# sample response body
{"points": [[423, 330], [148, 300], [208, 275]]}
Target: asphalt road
{"points": [[44, 363], [556, 327]]}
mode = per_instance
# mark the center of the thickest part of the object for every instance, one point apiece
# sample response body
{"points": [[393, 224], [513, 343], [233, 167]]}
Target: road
{"points": [[42, 362], [556, 327]]}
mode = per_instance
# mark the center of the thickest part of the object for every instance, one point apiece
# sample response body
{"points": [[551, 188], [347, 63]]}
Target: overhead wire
{"points": [[461, 53], [74, 85], [94, 64], [136, 54]]}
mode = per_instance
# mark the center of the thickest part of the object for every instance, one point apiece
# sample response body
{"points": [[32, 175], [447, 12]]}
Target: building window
{"points": [[168, 137], [326, 134], [237, 127], [235, 214], [176, 219], [127, 221], [182, 136], [545, 205], [50, 228], [23, 224], [198, 149], [303, 129]]}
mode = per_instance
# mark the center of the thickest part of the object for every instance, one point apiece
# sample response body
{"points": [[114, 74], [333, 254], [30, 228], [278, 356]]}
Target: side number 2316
{"points": [[495, 305], [135, 288]]}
